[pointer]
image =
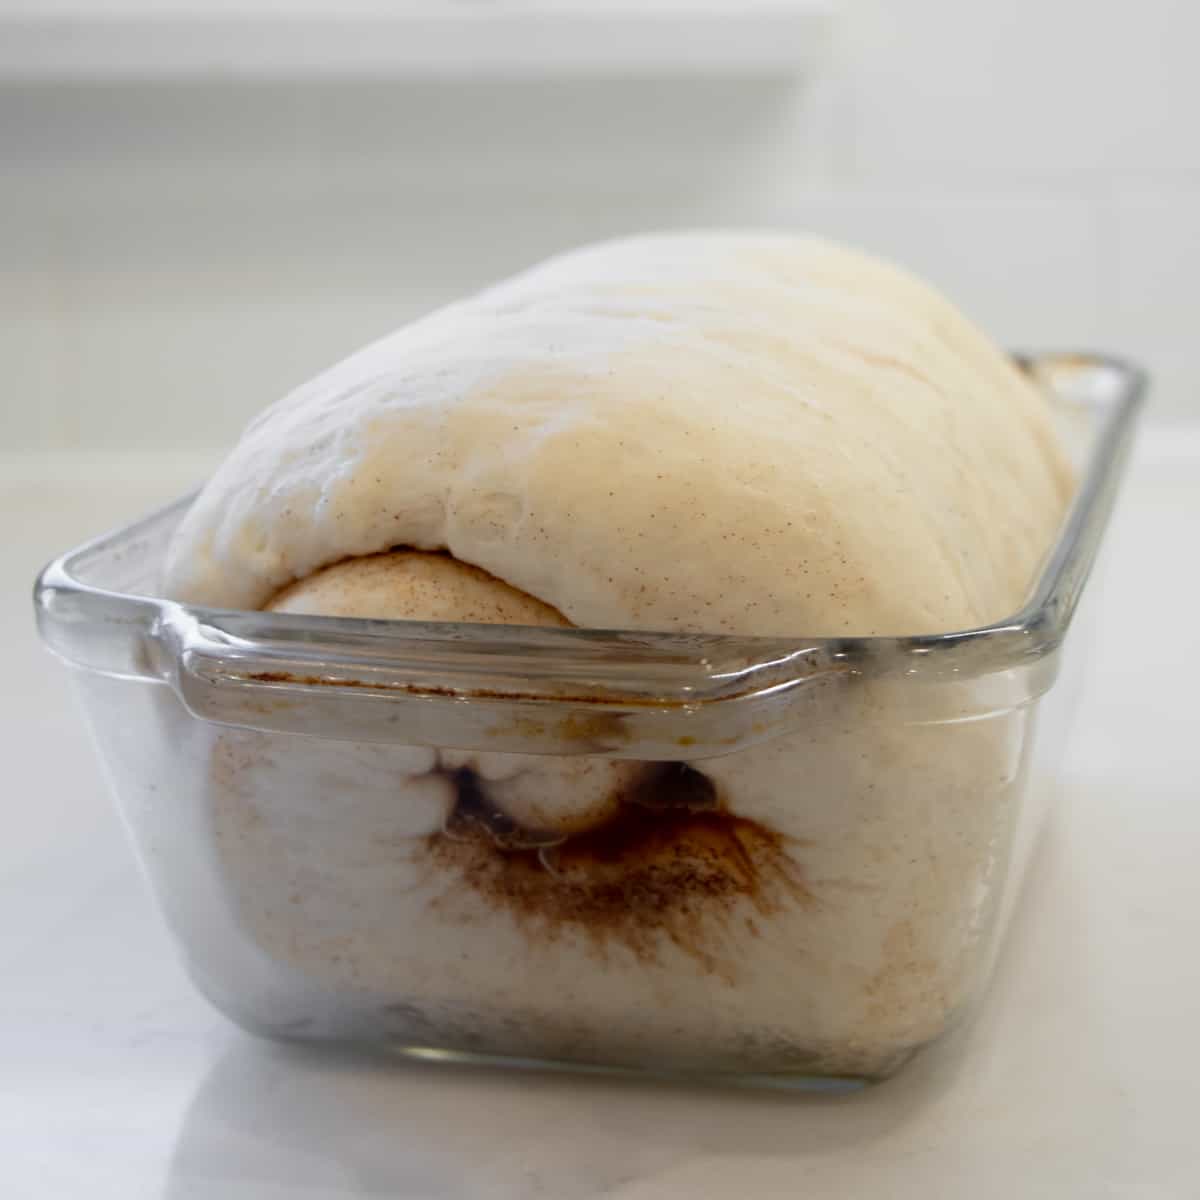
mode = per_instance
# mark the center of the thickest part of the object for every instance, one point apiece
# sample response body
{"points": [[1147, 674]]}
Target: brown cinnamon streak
{"points": [[672, 867]]}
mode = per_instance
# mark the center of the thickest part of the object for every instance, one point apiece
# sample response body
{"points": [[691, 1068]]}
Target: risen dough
{"points": [[412, 585], [717, 432], [721, 432]]}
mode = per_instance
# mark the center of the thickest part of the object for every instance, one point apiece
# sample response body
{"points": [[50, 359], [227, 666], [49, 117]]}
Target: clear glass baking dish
{"points": [[810, 850]]}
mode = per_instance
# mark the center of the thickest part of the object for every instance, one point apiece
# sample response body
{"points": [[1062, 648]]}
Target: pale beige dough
{"points": [[720, 432], [713, 432]]}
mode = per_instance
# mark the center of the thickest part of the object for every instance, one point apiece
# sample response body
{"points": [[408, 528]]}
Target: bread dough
{"points": [[714, 432], [709, 432]]}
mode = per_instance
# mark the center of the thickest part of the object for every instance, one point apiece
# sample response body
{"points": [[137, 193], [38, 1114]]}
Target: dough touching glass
{"points": [[711, 432]]}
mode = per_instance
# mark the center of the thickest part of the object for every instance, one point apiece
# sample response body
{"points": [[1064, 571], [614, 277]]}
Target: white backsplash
{"points": [[173, 257]]}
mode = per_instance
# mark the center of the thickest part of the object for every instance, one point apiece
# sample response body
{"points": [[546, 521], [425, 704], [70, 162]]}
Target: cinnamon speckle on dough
{"points": [[743, 380]]}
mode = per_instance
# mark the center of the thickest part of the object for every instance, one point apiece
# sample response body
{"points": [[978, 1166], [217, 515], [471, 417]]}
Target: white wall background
{"points": [[173, 257]]}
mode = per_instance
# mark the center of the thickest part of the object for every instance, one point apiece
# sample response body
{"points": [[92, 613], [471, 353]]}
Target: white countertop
{"points": [[1080, 1078]]}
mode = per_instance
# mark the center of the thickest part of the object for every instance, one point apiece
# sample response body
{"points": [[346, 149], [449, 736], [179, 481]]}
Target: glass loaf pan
{"points": [[805, 854]]}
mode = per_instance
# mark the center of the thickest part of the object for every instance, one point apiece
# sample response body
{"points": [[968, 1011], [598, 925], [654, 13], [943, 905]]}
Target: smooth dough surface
{"points": [[411, 585], [718, 432]]}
